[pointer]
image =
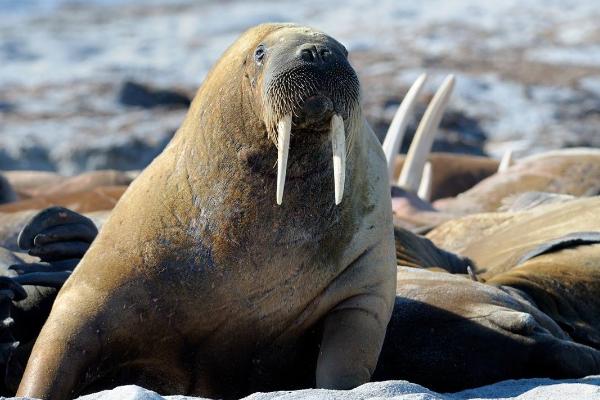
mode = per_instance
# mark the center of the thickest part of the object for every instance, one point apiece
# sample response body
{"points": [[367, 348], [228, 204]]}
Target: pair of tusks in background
{"points": [[416, 175]]}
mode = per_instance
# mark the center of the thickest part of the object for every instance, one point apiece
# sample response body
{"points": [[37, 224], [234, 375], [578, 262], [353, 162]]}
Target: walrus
{"points": [[34, 184], [96, 199], [213, 268], [453, 174], [497, 241], [568, 171]]}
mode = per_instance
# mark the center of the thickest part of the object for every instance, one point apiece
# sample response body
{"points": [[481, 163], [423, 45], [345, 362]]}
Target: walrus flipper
{"points": [[419, 252], [59, 237]]}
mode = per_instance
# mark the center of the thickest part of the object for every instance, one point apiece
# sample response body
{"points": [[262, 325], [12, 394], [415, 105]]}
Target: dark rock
{"points": [[138, 95], [5, 106]]}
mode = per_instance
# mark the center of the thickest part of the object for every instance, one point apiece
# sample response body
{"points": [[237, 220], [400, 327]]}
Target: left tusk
{"points": [[338, 145], [395, 133], [421, 145]]}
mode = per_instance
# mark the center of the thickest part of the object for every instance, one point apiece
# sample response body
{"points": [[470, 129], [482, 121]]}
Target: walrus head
{"points": [[306, 87]]}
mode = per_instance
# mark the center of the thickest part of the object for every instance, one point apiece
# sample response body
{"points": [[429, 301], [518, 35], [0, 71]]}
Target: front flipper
{"points": [[352, 340], [60, 238], [354, 329]]}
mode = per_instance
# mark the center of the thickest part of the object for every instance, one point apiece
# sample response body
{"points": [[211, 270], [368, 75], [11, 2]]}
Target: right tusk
{"points": [[411, 174], [426, 184], [338, 146], [395, 133], [506, 162], [284, 130]]}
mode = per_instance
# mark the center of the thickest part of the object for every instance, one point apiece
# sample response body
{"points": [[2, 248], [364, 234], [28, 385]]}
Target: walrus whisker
{"points": [[419, 150], [338, 145], [506, 162], [284, 130], [397, 129], [426, 185]]}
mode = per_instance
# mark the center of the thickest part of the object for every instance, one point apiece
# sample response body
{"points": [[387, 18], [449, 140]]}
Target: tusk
{"points": [[395, 133], [426, 184], [284, 130], [410, 177], [338, 146], [506, 161]]}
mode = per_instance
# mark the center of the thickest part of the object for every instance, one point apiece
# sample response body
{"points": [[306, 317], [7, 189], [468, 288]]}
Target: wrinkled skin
{"points": [[571, 171], [496, 241], [450, 333], [198, 257]]}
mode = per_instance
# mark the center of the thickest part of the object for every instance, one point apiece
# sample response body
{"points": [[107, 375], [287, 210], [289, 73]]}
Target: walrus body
{"points": [[570, 171], [497, 241], [533, 313], [452, 174], [32, 184], [199, 282], [96, 199]]}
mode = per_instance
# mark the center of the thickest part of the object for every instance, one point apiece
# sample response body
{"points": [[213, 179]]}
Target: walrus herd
{"points": [[276, 244]]}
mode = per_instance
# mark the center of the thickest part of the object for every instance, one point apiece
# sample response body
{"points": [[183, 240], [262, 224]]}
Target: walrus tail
{"points": [[419, 252]]}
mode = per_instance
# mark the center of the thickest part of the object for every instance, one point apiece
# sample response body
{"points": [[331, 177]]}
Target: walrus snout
{"points": [[316, 112], [315, 53]]}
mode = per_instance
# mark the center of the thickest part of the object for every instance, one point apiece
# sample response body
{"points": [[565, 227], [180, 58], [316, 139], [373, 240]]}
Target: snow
{"points": [[525, 389]]}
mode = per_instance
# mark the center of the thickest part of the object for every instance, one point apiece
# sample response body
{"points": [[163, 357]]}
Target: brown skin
{"points": [[453, 173], [25, 181], [97, 199], [197, 256], [33, 184], [496, 241], [569, 171], [539, 318], [450, 333]]}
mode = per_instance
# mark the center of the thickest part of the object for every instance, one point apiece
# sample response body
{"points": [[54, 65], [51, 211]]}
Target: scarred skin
{"points": [[199, 283]]}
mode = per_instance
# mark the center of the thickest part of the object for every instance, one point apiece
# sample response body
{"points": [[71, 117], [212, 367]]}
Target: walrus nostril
{"points": [[312, 53], [307, 54]]}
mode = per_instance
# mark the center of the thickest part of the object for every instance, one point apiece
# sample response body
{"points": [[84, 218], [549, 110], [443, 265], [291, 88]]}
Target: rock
{"points": [[139, 95]]}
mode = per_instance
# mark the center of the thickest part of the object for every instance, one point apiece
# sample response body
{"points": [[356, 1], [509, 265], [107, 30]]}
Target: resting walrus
{"points": [[200, 282]]}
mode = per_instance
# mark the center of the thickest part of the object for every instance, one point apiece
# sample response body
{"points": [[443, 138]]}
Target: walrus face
{"points": [[306, 87]]}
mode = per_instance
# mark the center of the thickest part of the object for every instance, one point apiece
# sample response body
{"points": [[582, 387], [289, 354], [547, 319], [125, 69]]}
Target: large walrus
{"points": [[208, 276]]}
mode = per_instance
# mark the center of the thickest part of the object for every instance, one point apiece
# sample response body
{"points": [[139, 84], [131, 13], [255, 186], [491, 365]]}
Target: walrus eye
{"points": [[259, 54]]}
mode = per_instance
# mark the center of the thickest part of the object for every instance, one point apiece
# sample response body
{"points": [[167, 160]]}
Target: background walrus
{"points": [[199, 282]]}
